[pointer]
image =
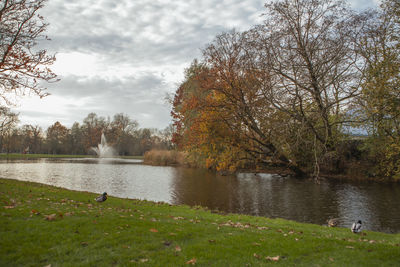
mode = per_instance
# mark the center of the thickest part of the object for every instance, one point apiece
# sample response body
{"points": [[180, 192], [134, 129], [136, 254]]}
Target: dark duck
{"points": [[356, 227], [102, 197], [333, 222]]}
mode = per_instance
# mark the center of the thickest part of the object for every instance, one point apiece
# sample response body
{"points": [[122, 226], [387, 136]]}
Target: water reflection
{"points": [[262, 194]]}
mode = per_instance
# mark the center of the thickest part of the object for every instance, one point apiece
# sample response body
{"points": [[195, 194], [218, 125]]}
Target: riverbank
{"points": [[36, 156], [42, 225]]}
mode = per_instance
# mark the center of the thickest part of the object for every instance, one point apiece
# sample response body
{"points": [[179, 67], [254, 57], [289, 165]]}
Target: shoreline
{"points": [[35, 217]]}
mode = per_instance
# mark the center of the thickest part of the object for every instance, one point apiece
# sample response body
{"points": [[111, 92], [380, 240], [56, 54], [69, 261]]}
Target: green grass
{"points": [[122, 232]]}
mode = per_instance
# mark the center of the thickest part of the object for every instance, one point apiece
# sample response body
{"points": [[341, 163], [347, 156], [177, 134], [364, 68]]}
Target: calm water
{"points": [[377, 205]]}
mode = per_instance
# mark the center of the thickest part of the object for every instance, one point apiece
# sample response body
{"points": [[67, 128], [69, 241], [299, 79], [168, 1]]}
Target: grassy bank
{"points": [[35, 156], [42, 225]]}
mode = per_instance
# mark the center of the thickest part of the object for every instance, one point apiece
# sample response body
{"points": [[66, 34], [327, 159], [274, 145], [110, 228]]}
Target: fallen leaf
{"points": [[256, 255], [276, 258], [153, 230], [350, 247], [331, 259], [144, 260], [35, 212], [167, 243], [211, 241], [50, 217], [178, 249], [84, 244], [9, 207], [256, 244], [192, 261]]}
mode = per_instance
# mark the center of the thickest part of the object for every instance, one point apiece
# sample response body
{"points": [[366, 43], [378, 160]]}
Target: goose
{"points": [[102, 197], [333, 222], [356, 227]]}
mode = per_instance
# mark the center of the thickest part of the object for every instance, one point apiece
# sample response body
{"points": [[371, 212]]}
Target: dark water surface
{"points": [[377, 205]]}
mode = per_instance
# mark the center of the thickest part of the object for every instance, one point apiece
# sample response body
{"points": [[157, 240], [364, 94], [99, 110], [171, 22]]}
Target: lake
{"points": [[269, 195]]}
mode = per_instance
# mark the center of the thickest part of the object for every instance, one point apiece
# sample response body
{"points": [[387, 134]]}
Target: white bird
{"points": [[101, 198], [356, 227]]}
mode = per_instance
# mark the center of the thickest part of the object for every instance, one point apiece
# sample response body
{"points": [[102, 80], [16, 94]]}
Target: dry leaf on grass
{"points": [[178, 249], [276, 258], [192, 261], [153, 230], [50, 217]]}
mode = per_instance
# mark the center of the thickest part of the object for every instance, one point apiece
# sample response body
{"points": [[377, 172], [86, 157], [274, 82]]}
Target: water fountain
{"points": [[103, 150]]}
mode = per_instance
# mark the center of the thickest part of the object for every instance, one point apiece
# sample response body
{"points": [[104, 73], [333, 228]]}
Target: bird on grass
{"points": [[101, 198], [333, 222], [356, 227]]}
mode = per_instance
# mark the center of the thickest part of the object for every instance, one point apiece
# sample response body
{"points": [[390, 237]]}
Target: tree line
{"points": [[121, 132], [295, 91]]}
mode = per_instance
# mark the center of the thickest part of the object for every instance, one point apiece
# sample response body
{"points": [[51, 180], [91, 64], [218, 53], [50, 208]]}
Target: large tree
{"points": [[280, 92], [22, 65]]}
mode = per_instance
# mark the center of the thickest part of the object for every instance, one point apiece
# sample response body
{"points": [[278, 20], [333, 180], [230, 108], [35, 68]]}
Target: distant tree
{"points": [[32, 138], [121, 133], [8, 122], [56, 137], [92, 128], [75, 140], [22, 67]]}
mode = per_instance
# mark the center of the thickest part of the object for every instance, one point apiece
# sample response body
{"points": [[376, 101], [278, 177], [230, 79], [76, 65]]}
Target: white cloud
{"points": [[125, 56]]}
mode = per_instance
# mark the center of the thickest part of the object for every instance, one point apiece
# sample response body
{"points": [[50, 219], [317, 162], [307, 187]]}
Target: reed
{"points": [[164, 157]]}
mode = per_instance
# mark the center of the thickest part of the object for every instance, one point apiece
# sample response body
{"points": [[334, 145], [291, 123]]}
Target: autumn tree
{"points": [[22, 66], [281, 92], [204, 121], [312, 71]]}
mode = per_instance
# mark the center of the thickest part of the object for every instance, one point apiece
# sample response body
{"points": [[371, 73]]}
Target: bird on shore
{"points": [[102, 197], [333, 222], [356, 227]]}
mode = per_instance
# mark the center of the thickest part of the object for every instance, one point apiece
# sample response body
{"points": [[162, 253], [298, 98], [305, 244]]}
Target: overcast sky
{"points": [[125, 56]]}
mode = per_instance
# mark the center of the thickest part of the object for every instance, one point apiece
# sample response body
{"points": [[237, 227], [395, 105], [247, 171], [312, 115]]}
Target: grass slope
{"points": [[36, 156], [42, 225]]}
